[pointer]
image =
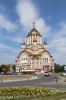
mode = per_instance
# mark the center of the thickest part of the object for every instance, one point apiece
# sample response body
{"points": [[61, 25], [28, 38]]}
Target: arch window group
{"points": [[45, 60]]}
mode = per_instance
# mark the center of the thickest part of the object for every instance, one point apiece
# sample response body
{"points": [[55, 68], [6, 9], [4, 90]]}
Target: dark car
{"points": [[7, 73], [46, 74]]}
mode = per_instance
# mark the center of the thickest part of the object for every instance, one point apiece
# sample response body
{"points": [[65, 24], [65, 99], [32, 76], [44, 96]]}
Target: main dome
{"points": [[34, 32]]}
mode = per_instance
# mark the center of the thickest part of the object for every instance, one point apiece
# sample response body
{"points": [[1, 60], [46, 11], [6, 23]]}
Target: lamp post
{"points": [[56, 79]]}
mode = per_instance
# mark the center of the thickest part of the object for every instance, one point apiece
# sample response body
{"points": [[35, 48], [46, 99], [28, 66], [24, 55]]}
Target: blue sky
{"points": [[16, 17]]}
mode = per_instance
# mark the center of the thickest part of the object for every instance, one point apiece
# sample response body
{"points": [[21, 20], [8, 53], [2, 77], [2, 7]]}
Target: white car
{"points": [[63, 74], [46, 74]]}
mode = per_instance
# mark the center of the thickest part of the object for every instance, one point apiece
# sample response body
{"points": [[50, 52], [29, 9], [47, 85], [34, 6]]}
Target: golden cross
{"points": [[33, 24]]}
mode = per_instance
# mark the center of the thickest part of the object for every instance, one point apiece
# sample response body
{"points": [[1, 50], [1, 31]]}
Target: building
{"points": [[33, 57]]}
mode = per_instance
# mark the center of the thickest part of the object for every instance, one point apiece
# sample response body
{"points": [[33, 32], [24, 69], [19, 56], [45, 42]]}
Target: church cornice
{"points": [[34, 55]]}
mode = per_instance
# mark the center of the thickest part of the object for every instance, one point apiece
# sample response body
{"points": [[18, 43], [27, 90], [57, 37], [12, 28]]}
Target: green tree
{"points": [[62, 68], [57, 68], [14, 67], [4, 68]]}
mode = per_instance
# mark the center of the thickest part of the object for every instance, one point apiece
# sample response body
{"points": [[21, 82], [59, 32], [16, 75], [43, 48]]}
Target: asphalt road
{"points": [[44, 81]]}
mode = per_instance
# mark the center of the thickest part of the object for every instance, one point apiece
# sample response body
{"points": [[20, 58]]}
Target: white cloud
{"points": [[28, 12], [6, 24], [41, 26], [3, 46], [58, 44], [49, 17], [7, 58], [16, 39]]}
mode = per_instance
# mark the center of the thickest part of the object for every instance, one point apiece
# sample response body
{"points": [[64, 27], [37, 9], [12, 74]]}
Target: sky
{"points": [[16, 17]]}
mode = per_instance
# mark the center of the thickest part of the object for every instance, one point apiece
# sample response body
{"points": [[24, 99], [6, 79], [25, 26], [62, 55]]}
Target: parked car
{"points": [[7, 73], [63, 73], [46, 74], [14, 73]]}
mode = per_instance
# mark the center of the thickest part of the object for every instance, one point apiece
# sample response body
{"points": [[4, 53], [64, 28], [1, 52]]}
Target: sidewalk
{"points": [[19, 79]]}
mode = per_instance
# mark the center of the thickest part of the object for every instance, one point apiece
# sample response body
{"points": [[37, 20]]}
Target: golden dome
{"points": [[45, 42], [23, 43], [33, 32]]}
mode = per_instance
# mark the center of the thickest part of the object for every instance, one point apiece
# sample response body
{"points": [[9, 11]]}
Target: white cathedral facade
{"points": [[33, 57]]}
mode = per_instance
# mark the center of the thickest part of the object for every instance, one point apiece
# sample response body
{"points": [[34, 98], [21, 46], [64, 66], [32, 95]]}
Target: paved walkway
{"points": [[19, 79]]}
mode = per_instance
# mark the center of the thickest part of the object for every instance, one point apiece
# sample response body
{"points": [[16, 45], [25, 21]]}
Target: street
{"points": [[44, 81]]}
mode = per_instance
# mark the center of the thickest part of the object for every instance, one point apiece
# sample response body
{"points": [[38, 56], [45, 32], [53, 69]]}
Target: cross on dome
{"points": [[33, 24]]}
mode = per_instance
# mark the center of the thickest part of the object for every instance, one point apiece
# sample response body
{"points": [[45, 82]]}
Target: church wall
{"points": [[21, 64], [46, 60], [37, 63]]}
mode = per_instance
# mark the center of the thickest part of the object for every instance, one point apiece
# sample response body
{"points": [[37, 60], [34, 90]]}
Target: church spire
{"points": [[23, 44], [33, 24], [45, 44]]}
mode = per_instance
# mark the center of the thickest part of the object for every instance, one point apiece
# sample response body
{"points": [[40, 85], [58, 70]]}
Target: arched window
{"points": [[23, 59], [45, 59]]}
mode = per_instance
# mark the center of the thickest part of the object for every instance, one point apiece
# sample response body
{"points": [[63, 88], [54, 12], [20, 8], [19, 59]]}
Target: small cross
{"points": [[33, 24]]}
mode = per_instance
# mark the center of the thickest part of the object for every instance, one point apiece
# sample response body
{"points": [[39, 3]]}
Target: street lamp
{"points": [[56, 79]]}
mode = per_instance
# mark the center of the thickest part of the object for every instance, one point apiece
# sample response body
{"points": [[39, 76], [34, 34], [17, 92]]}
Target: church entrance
{"points": [[46, 68]]}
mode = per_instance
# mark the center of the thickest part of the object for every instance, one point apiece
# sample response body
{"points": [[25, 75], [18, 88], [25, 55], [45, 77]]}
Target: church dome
{"points": [[45, 42], [34, 32], [23, 43]]}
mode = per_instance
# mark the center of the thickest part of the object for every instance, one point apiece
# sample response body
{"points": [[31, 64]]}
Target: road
{"points": [[44, 81]]}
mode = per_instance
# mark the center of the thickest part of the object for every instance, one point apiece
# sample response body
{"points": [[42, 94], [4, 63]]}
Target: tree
{"points": [[57, 67], [4, 68], [14, 67], [62, 68]]}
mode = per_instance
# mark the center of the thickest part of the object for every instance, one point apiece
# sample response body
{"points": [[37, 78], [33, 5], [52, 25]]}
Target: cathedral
{"points": [[33, 57]]}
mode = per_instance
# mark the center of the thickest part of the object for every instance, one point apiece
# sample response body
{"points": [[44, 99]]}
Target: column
{"points": [[30, 39], [27, 40], [37, 39], [40, 41]]}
